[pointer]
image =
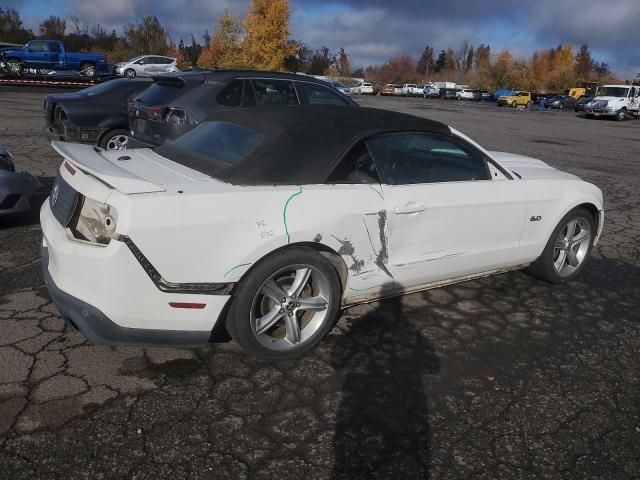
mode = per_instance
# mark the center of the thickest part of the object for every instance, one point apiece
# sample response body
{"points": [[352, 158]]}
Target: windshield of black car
{"points": [[211, 144], [160, 93], [621, 92]]}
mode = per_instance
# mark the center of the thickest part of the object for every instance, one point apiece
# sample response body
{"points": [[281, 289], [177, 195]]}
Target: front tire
{"points": [[568, 248], [15, 66], [130, 73], [621, 115], [88, 69], [285, 305]]}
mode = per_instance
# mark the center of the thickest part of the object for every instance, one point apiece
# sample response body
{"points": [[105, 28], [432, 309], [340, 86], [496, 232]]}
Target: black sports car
{"points": [[97, 114], [176, 103]]}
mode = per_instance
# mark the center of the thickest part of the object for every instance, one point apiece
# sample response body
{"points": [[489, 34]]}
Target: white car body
{"points": [[364, 88], [178, 227], [430, 90], [398, 91], [147, 66], [628, 100], [465, 94], [408, 89]]}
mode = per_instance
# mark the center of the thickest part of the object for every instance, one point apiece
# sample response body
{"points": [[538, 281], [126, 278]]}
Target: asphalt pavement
{"points": [[505, 377]]}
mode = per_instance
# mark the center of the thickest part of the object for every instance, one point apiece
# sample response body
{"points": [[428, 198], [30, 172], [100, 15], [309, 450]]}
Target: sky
{"points": [[373, 30]]}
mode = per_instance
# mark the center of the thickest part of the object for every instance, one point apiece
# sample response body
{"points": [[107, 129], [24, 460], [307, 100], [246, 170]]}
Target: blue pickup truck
{"points": [[51, 55]]}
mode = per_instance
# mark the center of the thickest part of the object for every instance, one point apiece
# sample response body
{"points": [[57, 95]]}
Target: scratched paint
{"points": [[347, 250], [383, 255]]}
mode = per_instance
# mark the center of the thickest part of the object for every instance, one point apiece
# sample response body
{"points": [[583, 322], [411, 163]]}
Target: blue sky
{"points": [[372, 30]]}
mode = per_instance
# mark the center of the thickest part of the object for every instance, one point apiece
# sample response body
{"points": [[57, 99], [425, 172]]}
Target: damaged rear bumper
{"points": [[106, 293]]}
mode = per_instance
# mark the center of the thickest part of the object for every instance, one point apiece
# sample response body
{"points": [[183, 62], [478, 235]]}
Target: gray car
{"points": [[147, 66], [15, 187]]}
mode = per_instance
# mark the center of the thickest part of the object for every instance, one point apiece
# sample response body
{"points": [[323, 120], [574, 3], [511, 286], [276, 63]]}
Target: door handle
{"points": [[411, 207]]}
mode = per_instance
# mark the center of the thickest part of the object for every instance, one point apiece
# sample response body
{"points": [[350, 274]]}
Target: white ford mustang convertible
{"points": [[264, 224]]}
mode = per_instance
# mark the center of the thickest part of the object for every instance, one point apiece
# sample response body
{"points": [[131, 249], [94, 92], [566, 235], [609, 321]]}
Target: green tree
{"points": [[53, 28], [147, 37], [441, 62], [11, 28], [426, 64], [583, 63], [225, 48]]}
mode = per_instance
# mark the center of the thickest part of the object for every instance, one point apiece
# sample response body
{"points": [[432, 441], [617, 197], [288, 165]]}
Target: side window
{"points": [[410, 158], [38, 47], [319, 95], [54, 47], [355, 167], [274, 92], [231, 95]]}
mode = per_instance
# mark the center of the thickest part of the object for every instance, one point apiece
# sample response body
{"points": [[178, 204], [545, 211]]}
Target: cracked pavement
{"points": [[501, 378]]}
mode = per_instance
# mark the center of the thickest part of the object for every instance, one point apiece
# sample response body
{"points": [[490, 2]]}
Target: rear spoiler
{"points": [[91, 160]]}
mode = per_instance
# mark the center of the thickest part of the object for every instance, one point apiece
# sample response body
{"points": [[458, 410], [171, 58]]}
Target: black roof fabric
{"points": [[303, 144]]}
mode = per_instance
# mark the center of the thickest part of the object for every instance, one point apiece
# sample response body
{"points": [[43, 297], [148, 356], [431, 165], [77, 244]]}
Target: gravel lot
{"points": [[505, 377]]}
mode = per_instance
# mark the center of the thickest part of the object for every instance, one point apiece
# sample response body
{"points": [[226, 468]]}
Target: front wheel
{"points": [[285, 305], [568, 248], [15, 66], [130, 73], [514, 105], [88, 70], [621, 115]]}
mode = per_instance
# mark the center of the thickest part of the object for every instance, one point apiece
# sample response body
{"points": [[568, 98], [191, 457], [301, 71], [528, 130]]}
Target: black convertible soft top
{"points": [[301, 145]]}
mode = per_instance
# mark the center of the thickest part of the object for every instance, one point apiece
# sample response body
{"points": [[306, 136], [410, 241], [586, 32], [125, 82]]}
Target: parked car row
{"points": [[142, 112]]}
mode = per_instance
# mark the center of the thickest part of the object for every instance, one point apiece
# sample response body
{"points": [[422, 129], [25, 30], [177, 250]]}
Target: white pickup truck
{"points": [[617, 101]]}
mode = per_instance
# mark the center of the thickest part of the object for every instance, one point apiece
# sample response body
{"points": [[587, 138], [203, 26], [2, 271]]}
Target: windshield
{"points": [[614, 92], [338, 85], [211, 146], [133, 59]]}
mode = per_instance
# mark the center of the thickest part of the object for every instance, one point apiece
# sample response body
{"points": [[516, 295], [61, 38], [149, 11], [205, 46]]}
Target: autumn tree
{"points": [[300, 59], [225, 48], [266, 26], [53, 28], [321, 61]]}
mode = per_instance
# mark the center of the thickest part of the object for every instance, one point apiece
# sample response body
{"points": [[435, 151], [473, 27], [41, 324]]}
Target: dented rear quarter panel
{"points": [[215, 232]]}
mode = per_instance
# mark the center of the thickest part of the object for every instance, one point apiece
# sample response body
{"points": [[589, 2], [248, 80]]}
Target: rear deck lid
{"points": [[130, 171]]}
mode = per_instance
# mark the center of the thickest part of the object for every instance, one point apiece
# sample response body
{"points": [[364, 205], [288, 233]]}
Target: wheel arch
{"points": [[327, 252]]}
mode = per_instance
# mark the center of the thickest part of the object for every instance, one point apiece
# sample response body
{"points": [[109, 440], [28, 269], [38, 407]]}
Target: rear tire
{"points": [[114, 140], [568, 248], [267, 315]]}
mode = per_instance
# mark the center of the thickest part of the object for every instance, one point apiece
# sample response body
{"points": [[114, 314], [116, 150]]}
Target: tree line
{"points": [[261, 40], [555, 69]]}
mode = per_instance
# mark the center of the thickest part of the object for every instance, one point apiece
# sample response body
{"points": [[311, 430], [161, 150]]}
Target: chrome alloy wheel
{"points": [[572, 246], [289, 307], [117, 142]]}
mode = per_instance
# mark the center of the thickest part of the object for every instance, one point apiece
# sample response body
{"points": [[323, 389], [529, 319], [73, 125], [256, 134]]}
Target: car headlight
{"points": [[6, 160], [96, 222]]}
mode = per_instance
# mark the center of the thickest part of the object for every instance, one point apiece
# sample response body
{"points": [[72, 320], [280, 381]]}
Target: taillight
{"points": [[176, 115], [156, 112]]}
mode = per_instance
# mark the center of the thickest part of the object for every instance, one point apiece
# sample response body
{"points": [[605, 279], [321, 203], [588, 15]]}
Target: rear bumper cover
{"points": [[100, 330]]}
